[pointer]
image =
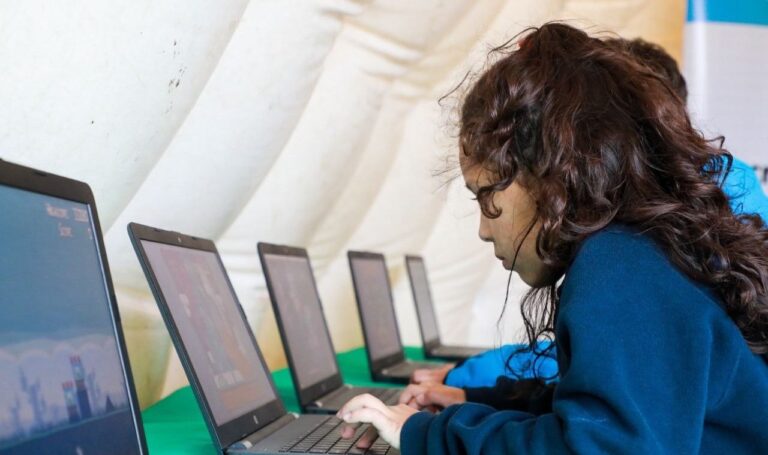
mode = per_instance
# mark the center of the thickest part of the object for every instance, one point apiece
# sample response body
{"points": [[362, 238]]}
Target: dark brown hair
{"points": [[656, 59], [598, 137]]}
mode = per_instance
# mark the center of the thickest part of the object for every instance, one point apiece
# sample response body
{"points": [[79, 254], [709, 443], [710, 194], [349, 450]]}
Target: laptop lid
{"points": [[377, 309], [422, 297], [300, 318], [65, 379], [209, 330]]}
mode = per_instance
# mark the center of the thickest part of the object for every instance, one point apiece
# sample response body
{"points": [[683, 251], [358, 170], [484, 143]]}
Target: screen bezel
{"points": [[236, 429], [409, 261], [376, 365], [36, 181], [310, 393]]}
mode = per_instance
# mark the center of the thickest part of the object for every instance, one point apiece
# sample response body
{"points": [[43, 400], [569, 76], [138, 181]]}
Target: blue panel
{"points": [[753, 12]]}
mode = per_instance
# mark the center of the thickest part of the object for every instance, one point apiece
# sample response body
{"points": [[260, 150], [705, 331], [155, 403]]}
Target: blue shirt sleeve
{"points": [[744, 190], [484, 369]]}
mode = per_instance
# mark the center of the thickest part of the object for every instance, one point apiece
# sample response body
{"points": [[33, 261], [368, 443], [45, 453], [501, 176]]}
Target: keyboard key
{"points": [[326, 438]]}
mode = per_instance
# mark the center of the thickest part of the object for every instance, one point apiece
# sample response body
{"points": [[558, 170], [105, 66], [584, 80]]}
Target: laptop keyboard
{"points": [[387, 396], [406, 368], [342, 395], [326, 438], [455, 351]]}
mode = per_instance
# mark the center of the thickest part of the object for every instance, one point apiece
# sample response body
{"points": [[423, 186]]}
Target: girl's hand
{"points": [[387, 420], [429, 375], [432, 396]]}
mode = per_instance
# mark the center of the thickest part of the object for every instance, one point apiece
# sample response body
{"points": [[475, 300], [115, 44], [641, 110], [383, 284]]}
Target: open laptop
{"points": [[425, 310], [305, 335], [377, 317], [225, 367], [65, 380]]}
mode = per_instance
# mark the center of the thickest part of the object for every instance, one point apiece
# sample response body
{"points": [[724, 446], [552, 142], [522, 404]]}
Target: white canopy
{"points": [[306, 122]]}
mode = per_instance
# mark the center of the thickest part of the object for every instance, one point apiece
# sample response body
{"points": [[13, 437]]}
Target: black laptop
{"points": [[305, 335], [377, 317], [425, 310], [65, 380], [219, 353]]}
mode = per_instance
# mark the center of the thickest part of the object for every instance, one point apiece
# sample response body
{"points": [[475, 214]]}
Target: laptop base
{"points": [[454, 353], [332, 402], [401, 372], [306, 434]]}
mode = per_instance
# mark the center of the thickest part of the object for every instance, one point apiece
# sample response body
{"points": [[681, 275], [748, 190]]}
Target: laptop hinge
{"points": [[253, 438]]}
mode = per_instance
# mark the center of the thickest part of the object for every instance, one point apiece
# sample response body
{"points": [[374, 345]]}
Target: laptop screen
{"points": [[62, 383], [376, 307], [301, 316], [427, 320], [215, 335]]}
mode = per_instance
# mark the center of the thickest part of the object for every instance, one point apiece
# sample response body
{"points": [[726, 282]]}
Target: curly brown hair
{"points": [[597, 137], [656, 58]]}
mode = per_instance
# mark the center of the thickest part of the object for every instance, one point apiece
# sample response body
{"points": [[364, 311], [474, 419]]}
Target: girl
{"points": [[589, 173]]}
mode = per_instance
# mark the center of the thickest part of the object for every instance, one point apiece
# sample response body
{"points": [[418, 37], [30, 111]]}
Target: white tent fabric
{"points": [[305, 122]]}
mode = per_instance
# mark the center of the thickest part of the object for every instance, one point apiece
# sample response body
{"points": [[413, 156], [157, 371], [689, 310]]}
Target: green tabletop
{"points": [[175, 425]]}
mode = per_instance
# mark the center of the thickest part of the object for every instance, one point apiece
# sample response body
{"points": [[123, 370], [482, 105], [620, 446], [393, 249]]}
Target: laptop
{"points": [[221, 358], [425, 310], [305, 335], [65, 379], [373, 293]]}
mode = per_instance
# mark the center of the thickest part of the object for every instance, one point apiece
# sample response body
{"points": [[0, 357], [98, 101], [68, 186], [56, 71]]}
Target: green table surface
{"points": [[174, 425]]}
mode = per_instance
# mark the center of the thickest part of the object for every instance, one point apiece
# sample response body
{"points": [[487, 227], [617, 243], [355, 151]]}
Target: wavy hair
{"points": [[598, 137]]}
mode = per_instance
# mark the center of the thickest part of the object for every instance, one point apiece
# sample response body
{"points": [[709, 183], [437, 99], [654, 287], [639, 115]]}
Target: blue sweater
{"points": [[746, 196], [622, 389]]}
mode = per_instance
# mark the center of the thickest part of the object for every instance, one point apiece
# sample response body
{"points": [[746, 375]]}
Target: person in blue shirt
{"points": [[596, 189], [514, 360]]}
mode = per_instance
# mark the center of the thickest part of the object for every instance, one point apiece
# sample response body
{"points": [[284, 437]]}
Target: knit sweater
{"points": [[649, 362]]}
